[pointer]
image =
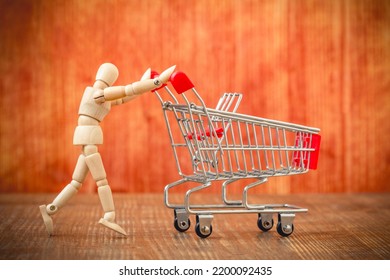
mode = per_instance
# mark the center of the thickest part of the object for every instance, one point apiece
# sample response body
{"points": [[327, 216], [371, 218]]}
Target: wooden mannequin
{"points": [[95, 105]]}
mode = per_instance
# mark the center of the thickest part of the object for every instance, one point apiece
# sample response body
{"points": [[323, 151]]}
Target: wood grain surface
{"points": [[319, 63], [337, 227]]}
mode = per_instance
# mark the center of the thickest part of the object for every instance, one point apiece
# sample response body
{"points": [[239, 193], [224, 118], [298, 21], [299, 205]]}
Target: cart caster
{"points": [[285, 225], [265, 222], [203, 227], [181, 221]]}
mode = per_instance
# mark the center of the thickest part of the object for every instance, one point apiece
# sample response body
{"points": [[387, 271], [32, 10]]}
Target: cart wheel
{"points": [[265, 225], [205, 232], [285, 230], [184, 223], [183, 226]]}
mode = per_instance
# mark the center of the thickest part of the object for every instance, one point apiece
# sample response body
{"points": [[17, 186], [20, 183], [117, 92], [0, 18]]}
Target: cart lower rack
{"points": [[219, 144]]}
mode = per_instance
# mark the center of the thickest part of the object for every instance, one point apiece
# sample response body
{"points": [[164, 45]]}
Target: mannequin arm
{"points": [[129, 92], [123, 100]]}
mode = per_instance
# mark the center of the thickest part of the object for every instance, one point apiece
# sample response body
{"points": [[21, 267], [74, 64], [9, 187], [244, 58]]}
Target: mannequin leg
{"points": [[78, 177], [96, 167]]}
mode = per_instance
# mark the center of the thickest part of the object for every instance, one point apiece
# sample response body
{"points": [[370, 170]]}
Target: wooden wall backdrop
{"points": [[320, 63]]}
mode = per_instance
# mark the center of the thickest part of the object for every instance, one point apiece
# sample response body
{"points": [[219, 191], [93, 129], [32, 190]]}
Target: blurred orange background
{"points": [[324, 64]]}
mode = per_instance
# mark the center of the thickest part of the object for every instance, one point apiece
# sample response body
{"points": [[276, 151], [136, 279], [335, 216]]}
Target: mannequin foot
{"points": [[48, 221], [113, 226]]}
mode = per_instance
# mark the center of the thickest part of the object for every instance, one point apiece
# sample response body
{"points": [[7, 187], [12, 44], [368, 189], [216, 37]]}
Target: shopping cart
{"points": [[219, 144]]}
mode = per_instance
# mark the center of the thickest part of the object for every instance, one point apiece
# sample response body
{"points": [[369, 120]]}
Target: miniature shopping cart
{"points": [[219, 144]]}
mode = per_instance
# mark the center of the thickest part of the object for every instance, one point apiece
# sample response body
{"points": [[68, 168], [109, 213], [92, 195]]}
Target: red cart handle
{"points": [[181, 82]]}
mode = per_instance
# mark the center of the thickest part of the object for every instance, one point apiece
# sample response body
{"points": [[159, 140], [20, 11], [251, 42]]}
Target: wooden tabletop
{"points": [[337, 226]]}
